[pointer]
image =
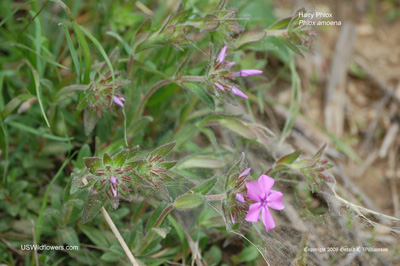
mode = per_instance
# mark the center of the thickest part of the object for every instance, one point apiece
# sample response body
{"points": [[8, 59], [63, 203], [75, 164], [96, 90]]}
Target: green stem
{"points": [[163, 214], [160, 84], [215, 197], [276, 32], [148, 95]]}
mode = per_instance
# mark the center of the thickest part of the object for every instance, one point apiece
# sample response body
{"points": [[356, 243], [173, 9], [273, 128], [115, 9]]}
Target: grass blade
{"points": [[38, 92], [36, 132], [72, 50]]}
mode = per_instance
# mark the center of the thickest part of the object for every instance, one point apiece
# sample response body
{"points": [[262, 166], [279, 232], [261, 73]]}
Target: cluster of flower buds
{"points": [[235, 187], [229, 26], [315, 170], [222, 78], [102, 92], [297, 36], [113, 177]]}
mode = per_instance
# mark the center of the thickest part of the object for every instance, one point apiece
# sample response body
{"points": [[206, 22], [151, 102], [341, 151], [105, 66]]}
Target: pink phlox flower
{"points": [[247, 72], [245, 172], [260, 191], [239, 197], [238, 92], [223, 81], [221, 56], [113, 181], [119, 100]]}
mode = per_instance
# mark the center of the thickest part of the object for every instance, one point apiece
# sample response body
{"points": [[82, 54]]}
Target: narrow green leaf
{"points": [[239, 128], [162, 150], [206, 186], [72, 50], [68, 236], [120, 158], [36, 132], [306, 163], [36, 79], [250, 37], [48, 60], [92, 206], [95, 235], [289, 158], [280, 24], [93, 164], [187, 202], [107, 159], [201, 162], [103, 53]]}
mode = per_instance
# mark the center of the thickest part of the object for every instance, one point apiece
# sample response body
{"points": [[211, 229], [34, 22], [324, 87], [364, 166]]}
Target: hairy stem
{"points": [[276, 32], [117, 234], [215, 197], [148, 95], [163, 214], [160, 84]]}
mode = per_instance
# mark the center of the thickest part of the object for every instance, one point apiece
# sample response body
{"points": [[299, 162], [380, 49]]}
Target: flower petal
{"points": [[221, 56], [274, 200], [254, 212], [267, 218], [266, 183], [219, 86], [238, 92], [118, 101], [113, 180], [245, 172], [247, 72], [254, 191], [230, 64], [114, 191], [239, 197]]}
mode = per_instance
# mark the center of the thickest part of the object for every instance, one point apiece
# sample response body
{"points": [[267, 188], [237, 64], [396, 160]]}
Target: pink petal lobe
{"points": [[114, 191], [249, 72], [118, 101], [239, 197], [221, 56], [219, 86], [274, 201], [230, 64], [113, 180], [254, 191], [239, 93], [266, 183], [267, 218], [245, 172], [254, 212]]}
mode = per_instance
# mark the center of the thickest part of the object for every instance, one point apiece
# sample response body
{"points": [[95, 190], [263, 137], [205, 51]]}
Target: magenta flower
{"points": [[260, 191], [247, 72], [222, 76], [114, 189], [221, 56], [119, 100]]}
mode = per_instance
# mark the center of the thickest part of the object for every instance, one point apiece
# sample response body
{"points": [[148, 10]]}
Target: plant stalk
{"points": [[215, 197], [117, 234]]}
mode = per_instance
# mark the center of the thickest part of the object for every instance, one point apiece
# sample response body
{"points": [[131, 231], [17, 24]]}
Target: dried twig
{"points": [[335, 89]]}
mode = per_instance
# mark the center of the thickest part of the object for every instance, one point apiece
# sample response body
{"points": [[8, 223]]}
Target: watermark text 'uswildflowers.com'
{"points": [[48, 247]]}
